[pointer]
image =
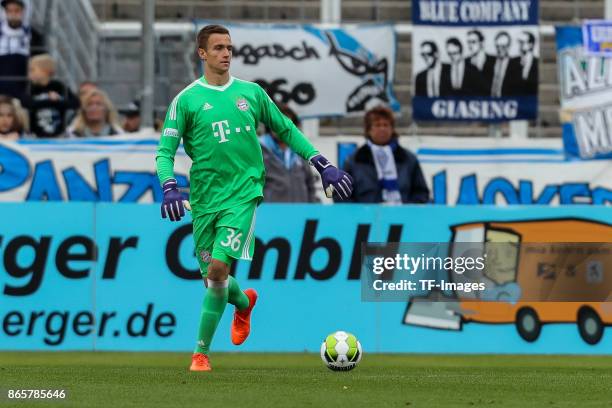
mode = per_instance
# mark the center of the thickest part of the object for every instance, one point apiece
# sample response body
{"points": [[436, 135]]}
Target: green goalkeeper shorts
{"points": [[225, 235]]}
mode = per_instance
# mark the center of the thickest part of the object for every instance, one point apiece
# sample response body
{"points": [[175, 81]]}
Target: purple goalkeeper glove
{"points": [[172, 206], [334, 179]]}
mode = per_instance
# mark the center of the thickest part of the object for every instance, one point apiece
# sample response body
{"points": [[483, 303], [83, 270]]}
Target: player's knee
{"points": [[218, 271]]}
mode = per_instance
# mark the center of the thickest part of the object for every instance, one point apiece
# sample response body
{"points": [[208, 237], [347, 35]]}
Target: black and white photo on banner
{"points": [[466, 61]]}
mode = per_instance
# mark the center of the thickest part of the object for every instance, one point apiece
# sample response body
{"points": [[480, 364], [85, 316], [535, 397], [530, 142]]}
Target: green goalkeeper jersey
{"points": [[218, 126]]}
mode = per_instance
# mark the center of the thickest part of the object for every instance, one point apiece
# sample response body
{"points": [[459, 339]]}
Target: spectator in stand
{"points": [[11, 125], [383, 171], [288, 177], [97, 117], [86, 87], [17, 42], [131, 113], [48, 99]]}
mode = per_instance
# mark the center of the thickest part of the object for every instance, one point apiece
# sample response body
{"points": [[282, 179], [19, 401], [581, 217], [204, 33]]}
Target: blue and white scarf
{"points": [[386, 171]]}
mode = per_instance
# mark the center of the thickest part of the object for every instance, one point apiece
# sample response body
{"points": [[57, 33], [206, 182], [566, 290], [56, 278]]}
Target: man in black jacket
{"points": [[528, 64], [507, 70], [383, 171], [460, 75], [429, 82], [480, 84]]}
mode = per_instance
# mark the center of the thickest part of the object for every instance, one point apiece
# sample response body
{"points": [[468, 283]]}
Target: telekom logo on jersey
{"points": [[222, 129]]}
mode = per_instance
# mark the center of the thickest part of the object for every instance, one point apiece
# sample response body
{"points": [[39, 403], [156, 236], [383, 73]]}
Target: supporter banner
{"points": [[481, 171], [120, 169], [475, 60], [499, 171], [316, 71], [597, 37], [83, 276], [586, 92], [514, 175]]}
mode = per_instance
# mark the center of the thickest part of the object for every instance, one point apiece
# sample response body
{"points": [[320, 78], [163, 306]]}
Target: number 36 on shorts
{"points": [[232, 240]]}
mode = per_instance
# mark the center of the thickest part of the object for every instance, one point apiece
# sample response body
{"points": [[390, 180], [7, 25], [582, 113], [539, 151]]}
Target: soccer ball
{"points": [[341, 351]]}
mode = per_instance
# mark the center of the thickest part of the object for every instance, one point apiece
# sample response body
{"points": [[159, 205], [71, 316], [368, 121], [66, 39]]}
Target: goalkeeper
{"points": [[217, 116]]}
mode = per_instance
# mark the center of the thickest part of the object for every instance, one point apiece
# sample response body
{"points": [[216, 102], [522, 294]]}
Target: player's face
{"points": [[381, 131], [218, 53]]}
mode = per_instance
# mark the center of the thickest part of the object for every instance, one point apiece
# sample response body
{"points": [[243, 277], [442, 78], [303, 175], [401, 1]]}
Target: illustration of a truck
{"points": [[545, 271]]}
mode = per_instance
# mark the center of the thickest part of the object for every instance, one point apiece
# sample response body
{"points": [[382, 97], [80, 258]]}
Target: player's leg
{"points": [[236, 226], [214, 304], [216, 294], [236, 296]]}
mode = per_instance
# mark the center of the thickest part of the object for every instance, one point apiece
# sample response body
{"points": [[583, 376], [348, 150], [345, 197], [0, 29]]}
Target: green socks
{"points": [[212, 310], [217, 296], [236, 295]]}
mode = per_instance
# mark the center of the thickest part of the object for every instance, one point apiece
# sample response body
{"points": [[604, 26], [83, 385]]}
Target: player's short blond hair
{"points": [[44, 62]]}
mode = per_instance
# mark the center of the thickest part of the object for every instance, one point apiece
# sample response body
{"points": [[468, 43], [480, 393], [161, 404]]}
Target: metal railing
{"points": [[71, 29], [260, 10], [398, 11]]}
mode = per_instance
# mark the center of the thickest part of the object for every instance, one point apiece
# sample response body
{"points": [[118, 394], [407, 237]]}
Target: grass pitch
{"points": [[301, 380]]}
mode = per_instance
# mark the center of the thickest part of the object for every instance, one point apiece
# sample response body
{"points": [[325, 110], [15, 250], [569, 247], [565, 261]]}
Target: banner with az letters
{"points": [[475, 60], [318, 72], [586, 91]]}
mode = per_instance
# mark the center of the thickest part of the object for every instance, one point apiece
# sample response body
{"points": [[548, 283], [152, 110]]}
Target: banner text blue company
{"points": [[479, 13]]}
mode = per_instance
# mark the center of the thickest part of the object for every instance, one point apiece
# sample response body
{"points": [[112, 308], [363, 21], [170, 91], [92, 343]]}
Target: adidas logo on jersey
{"points": [[207, 106]]}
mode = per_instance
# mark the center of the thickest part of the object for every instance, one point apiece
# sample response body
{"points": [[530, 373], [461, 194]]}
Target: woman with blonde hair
{"points": [[11, 120], [97, 117]]}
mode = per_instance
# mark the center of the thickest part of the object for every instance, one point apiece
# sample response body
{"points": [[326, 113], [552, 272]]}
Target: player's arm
{"points": [[334, 180], [175, 126]]}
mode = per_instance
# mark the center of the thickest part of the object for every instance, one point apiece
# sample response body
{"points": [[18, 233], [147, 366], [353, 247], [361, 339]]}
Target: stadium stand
{"points": [[119, 72]]}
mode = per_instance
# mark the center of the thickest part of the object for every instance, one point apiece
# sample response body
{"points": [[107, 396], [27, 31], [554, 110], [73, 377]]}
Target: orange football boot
{"points": [[241, 326], [199, 362]]}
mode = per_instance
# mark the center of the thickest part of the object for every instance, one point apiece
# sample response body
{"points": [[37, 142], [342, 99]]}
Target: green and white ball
{"points": [[341, 351]]}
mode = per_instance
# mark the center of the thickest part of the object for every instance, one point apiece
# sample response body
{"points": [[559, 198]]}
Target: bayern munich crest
{"points": [[242, 104], [205, 256]]}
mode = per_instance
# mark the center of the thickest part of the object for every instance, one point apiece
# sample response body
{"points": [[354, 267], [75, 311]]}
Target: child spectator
{"points": [[11, 125], [48, 99], [97, 117]]}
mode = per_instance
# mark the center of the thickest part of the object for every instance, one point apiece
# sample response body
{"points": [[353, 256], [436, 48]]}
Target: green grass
{"points": [[301, 380]]}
